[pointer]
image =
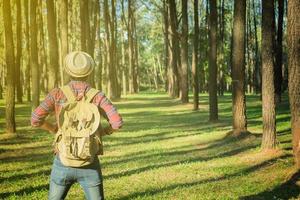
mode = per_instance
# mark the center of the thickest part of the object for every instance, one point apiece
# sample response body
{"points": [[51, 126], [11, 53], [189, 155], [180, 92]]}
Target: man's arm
{"points": [[39, 115], [109, 112]]}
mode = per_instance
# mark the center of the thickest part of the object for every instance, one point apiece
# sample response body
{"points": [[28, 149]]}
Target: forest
{"points": [[209, 91]]}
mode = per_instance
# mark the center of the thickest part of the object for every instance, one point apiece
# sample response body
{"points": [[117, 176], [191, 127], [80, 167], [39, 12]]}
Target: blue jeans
{"points": [[89, 178]]}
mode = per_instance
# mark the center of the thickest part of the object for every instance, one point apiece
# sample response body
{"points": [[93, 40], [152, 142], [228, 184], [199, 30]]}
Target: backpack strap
{"points": [[68, 93], [91, 94]]}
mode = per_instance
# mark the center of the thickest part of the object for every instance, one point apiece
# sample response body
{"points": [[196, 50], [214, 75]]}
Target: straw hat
{"points": [[79, 64]]}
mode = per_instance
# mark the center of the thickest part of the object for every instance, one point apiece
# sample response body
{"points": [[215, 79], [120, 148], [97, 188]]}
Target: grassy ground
{"points": [[164, 151]]}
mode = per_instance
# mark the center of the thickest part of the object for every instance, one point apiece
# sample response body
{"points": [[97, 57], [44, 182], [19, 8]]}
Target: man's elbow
{"points": [[117, 125]]}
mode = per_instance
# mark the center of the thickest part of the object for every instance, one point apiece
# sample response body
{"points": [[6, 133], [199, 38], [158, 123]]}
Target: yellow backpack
{"points": [[77, 141]]}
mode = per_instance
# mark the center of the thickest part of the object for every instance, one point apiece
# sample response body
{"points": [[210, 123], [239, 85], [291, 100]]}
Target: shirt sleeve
{"points": [[42, 111], [114, 118]]}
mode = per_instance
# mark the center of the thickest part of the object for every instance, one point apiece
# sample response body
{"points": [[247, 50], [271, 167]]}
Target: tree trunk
{"points": [[34, 56], [166, 43], [99, 76], [130, 48], [213, 99], [112, 71], [293, 32], [10, 64], [27, 70], [41, 48], [64, 38], [278, 63], [222, 68], [195, 57], [83, 21], [239, 123], [19, 53], [184, 54], [268, 98], [174, 46], [53, 45], [136, 56], [257, 65]]}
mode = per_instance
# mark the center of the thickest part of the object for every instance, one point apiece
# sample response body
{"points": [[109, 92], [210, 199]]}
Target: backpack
{"points": [[77, 140]]}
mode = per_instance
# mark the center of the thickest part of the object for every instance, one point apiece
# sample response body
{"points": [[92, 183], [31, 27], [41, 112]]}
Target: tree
{"points": [[184, 54], [268, 98], [84, 24], [166, 42], [34, 56], [257, 64], [131, 49], [64, 37], [213, 99], [238, 68], [293, 39], [10, 64], [110, 43], [112, 73], [53, 45], [19, 53], [195, 57], [278, 63], [27, 71], [42, 49], [173, 51]]}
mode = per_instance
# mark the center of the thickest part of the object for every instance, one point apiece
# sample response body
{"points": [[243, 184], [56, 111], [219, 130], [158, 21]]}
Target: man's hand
{"points": [[106, 131], [52, 128]]}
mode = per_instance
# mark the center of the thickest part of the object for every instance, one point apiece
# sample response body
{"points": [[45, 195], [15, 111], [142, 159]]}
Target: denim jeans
{"points": [[89, 178]]}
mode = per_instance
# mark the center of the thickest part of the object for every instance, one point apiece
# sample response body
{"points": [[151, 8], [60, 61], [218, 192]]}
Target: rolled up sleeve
{"points": [[114, 118], [42, 111]]}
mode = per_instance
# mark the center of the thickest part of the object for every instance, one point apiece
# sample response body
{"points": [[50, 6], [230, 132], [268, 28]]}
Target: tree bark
{"points": [[64, 38], [195, 57], [293, 32], [174, 46], [278, 63], [10, 64], [257, 65], [83, 21], [184, 54], [212, 64], [99, 74], [53, 45], [130, 48], [27, 70], [34, 56], [166, 43], [268, 98], [42, 50], [114, 94], [136, 56], [19, 53], [239, 123]]}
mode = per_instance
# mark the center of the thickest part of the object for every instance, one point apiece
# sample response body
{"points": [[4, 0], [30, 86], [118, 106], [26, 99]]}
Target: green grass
{"points": [[164, 151]]}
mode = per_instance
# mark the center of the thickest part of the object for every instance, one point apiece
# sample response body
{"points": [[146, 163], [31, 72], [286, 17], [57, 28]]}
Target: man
{"points": [[79, 66]]}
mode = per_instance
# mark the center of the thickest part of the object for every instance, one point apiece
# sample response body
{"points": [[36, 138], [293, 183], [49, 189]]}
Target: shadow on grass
{"points": [[243, 172], [25, 191], [24, 176], [160, 135], [215, 145], [190, 159], [287, 190]]}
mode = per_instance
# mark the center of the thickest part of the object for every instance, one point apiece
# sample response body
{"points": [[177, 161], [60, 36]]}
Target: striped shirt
{"points": [[56, 98]]}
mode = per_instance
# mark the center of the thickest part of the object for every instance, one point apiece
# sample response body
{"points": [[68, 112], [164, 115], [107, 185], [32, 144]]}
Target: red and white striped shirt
{"points": [[56, 98]]}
